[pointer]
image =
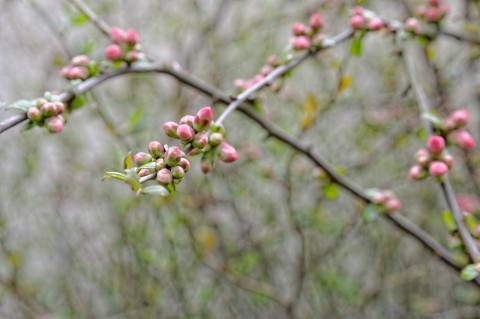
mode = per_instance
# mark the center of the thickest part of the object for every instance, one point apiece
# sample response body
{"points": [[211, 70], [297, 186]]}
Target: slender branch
{"points": [[92, 16]]}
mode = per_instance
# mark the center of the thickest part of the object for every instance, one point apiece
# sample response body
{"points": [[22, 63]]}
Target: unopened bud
{"points": [[78, 73], [227, 153], [185, 164], [462, 139], [159, 164], [177, 172], [375, 24], [113, 52], [117, 35], [203, 118], [164, 176], [80, 60], [173, 156], [460, 117], [417, 172], [48, 109], [411, 25], [392, 205], [54, 124], [274, 61], [299, 29], [188, 120], [435, 144], [142, 158], [215, 139], [316, 21], [301, 43], [448, 159], [131, 37], [437, 168], [357, 10], [422, 157], [207, 162], [357, 22], [200, 141], [156, 149], [170, 129], [34, 114], [185, 132], [132, 56], [144, 172]]}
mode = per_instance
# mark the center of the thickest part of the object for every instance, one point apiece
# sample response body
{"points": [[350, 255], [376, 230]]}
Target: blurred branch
{"points": [[92, 16]]}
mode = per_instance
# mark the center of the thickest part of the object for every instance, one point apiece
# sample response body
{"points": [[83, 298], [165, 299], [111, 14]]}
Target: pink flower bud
{"points": [[411, 25], [34, 114], [54, 124], [266, 69], [59, 107], [432, 15], [215, 139], [357, 22], [185, 164], [378, 198], [239, 84], [206, 163], [434, 3], [113, 52], [435, 144], [392, 205], [142, 158], [117, 35], [417, 172], [448, 159], [173, 156], [131, 37], [316, 21], [185, 132], [203, 118], [437, 168], [188, 120], [144, 172], [274, 60], [40, 102], [200, 141], [156, 149], [318, 40], [80, 60], [65, 71], [170, 129], [48, 109], [177, 172], [422, 157], [227, 153], [421, 11], [301, 43], [78, 73], [459, 117], [448, 124], [164, 176], [375, 24], [299, 29], [462, 139], [159, 164], [131, 56]]}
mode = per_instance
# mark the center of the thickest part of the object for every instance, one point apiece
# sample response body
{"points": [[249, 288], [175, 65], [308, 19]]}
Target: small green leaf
{"points": [[257, 106], [356, 46], [469, 272], [127, 161], [77, 102], [330, 191], [435, 120], [29, 126], [79, 19], [132, 179], [217, 128], [115, 175], [447, 217], [155, 190], [148, 166], [23, 105], [470, 222], [370, 213]]}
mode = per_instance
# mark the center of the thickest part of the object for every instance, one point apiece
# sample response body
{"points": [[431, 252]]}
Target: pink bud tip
{"points": [[173, 156], [422, 156], [416, 172], [435, 144], [187, 119], [299, 29], [142, 158], [156, 149], [448, 159], [164, 176], [357, 10], [177, 172], [215, 139], [200, 141], [131, 56], [434, 3], [437, 168], [80, 60], [227, 153], [357, 22], [274, 60], [185, 164], [375, 24], [113, 52], [411, 25], [460, 117], [117, 35], [432, 14], [64, 71], [34, 114], [131, 37], [462, 139], [301, 43], [144, 172], [421, 11], [78, 73], [392, 204], [203, 118], [316, 21], [170, 129], [54, 124], [185, 132]]}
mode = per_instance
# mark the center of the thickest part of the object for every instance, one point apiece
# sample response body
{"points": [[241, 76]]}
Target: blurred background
{"points": [[261, 238]]}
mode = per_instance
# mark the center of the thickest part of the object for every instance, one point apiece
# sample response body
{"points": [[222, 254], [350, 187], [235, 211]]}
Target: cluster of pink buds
{"points": [[366, 20], [306, 36], [434, 160], [200, 135], [47, 113], [433, 12], [124, 46], [78, 69], [168, 163], [385, 199], [272, 62]]}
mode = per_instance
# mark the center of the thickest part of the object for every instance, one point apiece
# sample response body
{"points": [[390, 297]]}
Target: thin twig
{"points": [[92, 16]]}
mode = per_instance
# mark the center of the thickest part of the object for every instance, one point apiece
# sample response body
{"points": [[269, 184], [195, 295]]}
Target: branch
{"points": [[92, 16]]}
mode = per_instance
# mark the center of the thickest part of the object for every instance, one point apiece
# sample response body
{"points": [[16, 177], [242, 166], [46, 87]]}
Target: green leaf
{"points": [[132, 179], [370, 213], [127, 161], [469, 272], [330, 191], [29, 126], [356, 46], [22, 105], [79, 19], [77, 102], [447, 217], [257, 106], [470, 222], [435, 120], [115, 175], [155, 190]]}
